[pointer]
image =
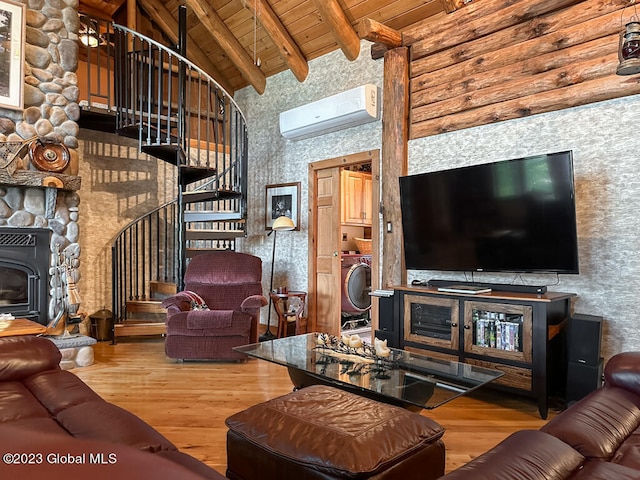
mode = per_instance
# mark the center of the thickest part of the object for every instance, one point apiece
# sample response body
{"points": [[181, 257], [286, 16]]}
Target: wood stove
{"points": [[24, 278]]}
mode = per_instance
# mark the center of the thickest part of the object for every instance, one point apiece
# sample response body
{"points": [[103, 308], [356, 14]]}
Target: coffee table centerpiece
{"points": [[400, 378]]}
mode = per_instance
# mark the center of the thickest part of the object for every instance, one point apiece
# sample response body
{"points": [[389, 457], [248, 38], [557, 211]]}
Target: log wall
{"points": [[496, 60]]}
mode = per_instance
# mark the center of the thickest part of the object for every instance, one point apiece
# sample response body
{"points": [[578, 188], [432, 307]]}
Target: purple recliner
{"points": [[219, 308]]}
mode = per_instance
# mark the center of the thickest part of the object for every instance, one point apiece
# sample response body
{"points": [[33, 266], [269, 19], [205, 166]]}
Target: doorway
{"points": [[327, 243], [356, 216]]}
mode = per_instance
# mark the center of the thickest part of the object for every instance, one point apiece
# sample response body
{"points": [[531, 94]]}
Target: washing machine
{"points": [[356, 283]]}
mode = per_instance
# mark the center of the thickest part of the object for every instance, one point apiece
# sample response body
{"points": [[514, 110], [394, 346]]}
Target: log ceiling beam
{"points": [[451, 6], [378, 33], [384, 38], [230, 44], [288, 48], [339, 25], [169, 26], [99, 8]]}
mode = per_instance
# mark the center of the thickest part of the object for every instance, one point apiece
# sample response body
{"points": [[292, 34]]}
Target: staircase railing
{"points": [[197, 126], [144, 251]]}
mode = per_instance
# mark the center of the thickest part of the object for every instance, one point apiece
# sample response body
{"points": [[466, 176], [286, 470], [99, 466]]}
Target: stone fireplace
{"points": [[39, 205], [30, 232]]}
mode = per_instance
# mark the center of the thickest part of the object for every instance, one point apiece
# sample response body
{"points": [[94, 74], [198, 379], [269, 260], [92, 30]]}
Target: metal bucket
{"points": [[102, 325]]}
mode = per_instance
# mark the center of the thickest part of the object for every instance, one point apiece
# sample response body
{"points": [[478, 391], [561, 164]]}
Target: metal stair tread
{"points": [[212, 216], [204, 195], [192, 252], [213, 234]]}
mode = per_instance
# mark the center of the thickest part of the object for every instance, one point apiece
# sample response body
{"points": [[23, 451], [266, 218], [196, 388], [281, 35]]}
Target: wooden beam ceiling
{"points": [[287, 46], [230, 44], [164, 19], [340, 26], [227, 38]]}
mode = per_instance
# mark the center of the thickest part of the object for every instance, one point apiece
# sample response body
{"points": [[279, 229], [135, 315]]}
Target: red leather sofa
{"points": [[597, 438], [54, 426]]}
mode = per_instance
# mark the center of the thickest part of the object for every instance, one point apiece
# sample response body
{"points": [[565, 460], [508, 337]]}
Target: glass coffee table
{"points": [[403, 378]]}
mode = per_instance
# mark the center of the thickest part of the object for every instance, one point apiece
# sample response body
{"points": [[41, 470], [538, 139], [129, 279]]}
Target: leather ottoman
{"points": [[321, 432]]}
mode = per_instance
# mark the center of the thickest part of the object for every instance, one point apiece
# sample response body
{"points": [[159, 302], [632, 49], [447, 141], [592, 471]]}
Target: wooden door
{"points": [[327, 254], [324, 299]]}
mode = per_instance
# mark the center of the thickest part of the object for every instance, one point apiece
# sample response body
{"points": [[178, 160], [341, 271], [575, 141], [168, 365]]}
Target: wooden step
{"points": [[145, 306], [162, 289], [132, 328]]}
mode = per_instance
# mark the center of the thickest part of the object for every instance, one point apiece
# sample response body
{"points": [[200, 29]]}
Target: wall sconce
{"points": [[88, 33], [89, 39], [629, 48]]}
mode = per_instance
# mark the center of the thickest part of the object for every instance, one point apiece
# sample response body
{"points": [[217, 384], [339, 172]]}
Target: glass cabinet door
{"points": [[431, 321], [498, 330]]}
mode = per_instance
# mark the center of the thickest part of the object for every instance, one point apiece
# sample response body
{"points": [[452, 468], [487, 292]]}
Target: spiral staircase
{"points": [[182, 116]]}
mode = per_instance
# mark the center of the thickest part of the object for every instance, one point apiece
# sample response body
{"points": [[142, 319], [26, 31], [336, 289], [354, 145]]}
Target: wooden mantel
{"points": [[31, 178]]}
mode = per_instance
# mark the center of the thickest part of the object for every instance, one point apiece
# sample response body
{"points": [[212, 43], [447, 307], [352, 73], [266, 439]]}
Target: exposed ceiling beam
{"points": [[377, 32], [230, 44], [451, 6], [105, 12], [287, 47], [384, 38], [338, 23], [169, 26]]}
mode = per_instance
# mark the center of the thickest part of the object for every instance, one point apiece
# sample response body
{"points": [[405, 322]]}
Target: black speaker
{"points": [[386, 320], [583, 379], [584, 339], [388, 328]]}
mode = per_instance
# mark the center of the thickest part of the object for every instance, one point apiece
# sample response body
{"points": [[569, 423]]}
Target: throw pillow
{"points": [[197, 302]]}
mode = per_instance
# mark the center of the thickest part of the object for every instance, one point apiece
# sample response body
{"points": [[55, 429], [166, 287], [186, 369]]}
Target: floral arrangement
{"points": [[353, 345]]}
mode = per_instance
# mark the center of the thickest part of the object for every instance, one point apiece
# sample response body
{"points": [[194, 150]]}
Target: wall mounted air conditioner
{"points": [[344, 110]]}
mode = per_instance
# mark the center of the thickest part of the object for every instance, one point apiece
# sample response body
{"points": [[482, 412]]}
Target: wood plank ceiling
{"points": [[243, 42]]}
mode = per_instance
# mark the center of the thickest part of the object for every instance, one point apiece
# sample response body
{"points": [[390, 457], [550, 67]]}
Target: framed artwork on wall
{"points": [[11, 54], [282, 199]]}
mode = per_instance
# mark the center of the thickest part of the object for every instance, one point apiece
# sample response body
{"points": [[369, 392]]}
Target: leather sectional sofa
{"points": [[53, 426], [48, 411], [597, 438]]}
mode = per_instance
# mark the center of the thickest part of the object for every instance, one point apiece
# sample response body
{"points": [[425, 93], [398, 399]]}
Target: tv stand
{"points": [[500, 287], [521, 334]]}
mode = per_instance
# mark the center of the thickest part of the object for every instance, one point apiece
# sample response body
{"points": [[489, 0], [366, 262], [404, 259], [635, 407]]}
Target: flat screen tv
{"points": [[508, 216]]}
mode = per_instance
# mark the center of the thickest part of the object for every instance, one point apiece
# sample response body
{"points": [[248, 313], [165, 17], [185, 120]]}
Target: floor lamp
{"points": [[280, 224]]}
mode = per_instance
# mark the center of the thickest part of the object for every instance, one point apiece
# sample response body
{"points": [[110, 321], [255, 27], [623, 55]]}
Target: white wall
{"points": [[273, 160], [604, 138]]}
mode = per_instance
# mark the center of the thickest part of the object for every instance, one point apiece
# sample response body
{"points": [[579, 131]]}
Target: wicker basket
{"points": [[364, 245]]}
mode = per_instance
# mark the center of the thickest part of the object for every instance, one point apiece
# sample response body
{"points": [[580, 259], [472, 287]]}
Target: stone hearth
{"points": [[76, 350]]}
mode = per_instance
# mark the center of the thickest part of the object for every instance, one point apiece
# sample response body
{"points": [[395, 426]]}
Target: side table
{"points": [[290, 307], [20, 326]]}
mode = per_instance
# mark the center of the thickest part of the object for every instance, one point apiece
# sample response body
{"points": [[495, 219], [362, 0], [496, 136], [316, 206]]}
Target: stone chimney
{"points": [[31, 196]]}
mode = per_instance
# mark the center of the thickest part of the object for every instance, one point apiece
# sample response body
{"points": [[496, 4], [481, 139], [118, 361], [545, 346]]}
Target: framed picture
{"points": [[11, 54], [282, 200]]}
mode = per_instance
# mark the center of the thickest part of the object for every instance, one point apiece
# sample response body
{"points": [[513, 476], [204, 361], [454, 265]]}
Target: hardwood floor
{"points": [[189, 402]]}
